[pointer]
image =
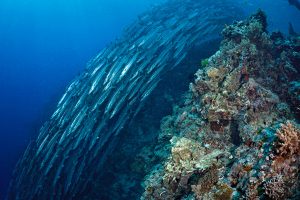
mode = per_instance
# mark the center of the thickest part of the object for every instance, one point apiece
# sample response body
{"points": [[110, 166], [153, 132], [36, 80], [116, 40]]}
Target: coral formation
{"points": [[235, 136], [275, 187], [289, 140]]}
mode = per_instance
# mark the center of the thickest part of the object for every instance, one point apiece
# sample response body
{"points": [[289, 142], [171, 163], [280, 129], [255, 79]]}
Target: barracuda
{"points": [[68, 160]]}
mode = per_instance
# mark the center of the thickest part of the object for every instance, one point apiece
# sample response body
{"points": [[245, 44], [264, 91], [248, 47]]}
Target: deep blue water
{"points": [[45, 44]]}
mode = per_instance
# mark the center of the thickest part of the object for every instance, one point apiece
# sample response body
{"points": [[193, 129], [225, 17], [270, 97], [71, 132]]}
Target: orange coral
{"points": [[247, 168], [285, 166], [289, 140]]}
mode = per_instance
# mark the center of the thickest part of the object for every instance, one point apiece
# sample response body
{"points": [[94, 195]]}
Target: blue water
{"points": [[45, 44]]}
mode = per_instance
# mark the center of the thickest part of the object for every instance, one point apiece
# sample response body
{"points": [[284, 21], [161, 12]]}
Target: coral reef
{"points": [[236, 133]]}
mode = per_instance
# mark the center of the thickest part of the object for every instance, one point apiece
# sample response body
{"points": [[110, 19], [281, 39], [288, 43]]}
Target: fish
{"points": [[69, 157]]}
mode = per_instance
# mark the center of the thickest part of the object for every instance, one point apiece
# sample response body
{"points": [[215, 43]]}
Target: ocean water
{"points": [[45, 44]]}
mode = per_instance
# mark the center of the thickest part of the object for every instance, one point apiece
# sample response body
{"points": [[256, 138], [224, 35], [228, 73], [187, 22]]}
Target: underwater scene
{"points": [[150, 99]]}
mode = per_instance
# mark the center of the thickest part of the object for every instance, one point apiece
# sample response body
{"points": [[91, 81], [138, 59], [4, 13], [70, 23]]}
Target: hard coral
{"points": [[289, 140], [275, 188], [224, 192], [205, 182]]}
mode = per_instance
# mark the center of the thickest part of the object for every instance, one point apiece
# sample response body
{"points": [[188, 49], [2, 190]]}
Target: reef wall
{"points": [[236, 134], [69, 159]]}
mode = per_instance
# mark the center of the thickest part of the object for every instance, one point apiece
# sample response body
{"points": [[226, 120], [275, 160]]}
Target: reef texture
{"points": [[69, 159], [235, 135]]}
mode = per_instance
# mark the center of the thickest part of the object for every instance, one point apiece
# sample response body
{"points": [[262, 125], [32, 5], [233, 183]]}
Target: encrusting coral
{"points": [[235, 136]]}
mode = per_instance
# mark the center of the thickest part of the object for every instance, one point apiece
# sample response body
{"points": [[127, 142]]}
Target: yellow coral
{"points": [[213, 73], [224, 192]]}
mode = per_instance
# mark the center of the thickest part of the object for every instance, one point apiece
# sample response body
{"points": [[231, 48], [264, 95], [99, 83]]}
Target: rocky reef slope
{"points": [[236, 133]]}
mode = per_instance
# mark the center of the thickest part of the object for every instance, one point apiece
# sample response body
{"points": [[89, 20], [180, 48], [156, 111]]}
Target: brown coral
{"points": [[289, 140], [224, 192], [206, 182], [252, 192]]}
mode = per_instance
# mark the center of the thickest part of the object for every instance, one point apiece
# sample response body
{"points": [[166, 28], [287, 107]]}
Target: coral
{"points": [[204, 63], [227, 140], [252, 192], [289, 140], [189, 163], [275, 188], [224, 192], [206, 182]]}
